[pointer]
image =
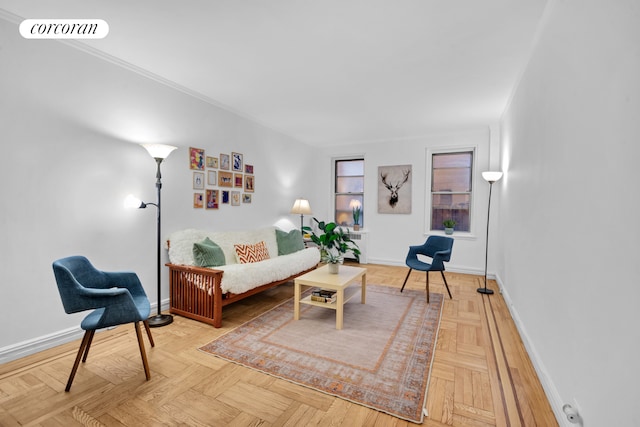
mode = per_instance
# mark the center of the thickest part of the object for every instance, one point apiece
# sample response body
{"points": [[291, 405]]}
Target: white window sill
{"points": [[462, 235]]}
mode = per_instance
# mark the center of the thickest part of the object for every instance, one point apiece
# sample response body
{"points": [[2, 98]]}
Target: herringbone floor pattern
{"points": [[481, 376]]}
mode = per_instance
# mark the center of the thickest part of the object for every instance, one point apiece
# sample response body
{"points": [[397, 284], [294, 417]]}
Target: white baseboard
{"points": [[35, 345], [25, 348], [468, 270], [547, 383], [451, 268], [383, 261]]}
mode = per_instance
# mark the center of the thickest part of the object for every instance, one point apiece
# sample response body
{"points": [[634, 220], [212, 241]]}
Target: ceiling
{"points": [[324, 72]]}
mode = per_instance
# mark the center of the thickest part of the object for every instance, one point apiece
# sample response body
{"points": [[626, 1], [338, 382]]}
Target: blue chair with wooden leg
{"points": [[438, 248], [116, 298]]}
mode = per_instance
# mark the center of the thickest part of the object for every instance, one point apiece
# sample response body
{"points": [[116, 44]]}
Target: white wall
{"points": [[70, 127], [391, 234], [568, 221]]}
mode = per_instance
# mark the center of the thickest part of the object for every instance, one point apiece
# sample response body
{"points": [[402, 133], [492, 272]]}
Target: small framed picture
{"points": [[196, 158], [225, 179], [198, 180], [248, 169], [212, 178], [225, 197], [237, 180], [249, 183], [236, 162], [198, 200], [224, 162], [246, 198], [235, 198], [212, 162], [213, 199]]}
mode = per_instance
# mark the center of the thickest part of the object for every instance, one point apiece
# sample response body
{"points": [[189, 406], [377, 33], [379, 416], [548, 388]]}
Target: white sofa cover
{"points": [[239, 278]]}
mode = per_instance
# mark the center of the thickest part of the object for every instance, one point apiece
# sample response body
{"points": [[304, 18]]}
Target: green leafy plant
{"points": [[334, 242], [449, 223]]}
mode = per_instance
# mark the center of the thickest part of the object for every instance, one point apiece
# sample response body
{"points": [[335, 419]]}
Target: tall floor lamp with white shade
{"points": [[159, 152], [491, 178]]}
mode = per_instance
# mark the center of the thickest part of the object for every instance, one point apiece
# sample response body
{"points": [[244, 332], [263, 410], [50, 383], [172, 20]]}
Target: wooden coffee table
{"points": [[321, 278]]}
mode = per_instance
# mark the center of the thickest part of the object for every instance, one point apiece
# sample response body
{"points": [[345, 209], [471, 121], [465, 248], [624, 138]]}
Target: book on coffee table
{"points": [[324, 295]]}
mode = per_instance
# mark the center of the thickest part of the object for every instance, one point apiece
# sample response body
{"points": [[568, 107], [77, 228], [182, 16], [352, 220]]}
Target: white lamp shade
{"points": [[492, 177], [159, 151], [132, 202], [302, 207]]}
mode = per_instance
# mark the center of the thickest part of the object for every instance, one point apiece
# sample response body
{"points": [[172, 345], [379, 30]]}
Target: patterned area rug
{"points": [[381, 359]]}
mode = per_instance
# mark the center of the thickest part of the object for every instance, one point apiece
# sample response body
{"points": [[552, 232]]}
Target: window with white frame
{"points": [[348, 190], [451, 190]]}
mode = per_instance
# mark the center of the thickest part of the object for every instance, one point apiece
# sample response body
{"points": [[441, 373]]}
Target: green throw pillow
{"points": [[208, 254], [290, 242]]}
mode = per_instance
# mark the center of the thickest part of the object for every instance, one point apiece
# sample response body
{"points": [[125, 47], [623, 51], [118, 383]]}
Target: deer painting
{"points": [[394, 186]]}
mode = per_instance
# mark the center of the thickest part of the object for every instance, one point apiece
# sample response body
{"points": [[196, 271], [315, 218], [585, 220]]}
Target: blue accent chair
{"points": [[115, 297], [438, 248]]}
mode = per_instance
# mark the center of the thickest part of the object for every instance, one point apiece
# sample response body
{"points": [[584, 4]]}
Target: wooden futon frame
{"points": [[195, 292]]}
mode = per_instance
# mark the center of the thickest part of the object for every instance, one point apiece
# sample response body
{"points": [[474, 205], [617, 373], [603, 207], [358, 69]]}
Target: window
{"points": [[451, 175], [349, 190]]}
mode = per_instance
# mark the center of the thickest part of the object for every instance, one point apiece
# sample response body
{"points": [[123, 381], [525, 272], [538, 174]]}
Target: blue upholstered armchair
{"points": [[438, 248], [115, 297]]}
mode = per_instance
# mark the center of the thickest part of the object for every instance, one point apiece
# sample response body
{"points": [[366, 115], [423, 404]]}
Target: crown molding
{"points": [[97, 53]]}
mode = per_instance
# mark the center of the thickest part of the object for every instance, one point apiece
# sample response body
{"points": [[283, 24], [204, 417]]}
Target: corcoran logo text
{"points": [[64, 29]]}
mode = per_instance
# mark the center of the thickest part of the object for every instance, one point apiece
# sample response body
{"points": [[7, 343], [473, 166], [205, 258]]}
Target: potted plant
{"points": [[333, 242], [448, 226], [356, 217]]}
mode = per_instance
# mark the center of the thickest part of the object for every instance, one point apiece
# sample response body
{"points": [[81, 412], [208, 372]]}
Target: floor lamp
{"points": [[490, 177], [302, 207], [159, 152]]}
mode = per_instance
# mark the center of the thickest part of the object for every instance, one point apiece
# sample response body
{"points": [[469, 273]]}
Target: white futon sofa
{"points": [[211, 269]]}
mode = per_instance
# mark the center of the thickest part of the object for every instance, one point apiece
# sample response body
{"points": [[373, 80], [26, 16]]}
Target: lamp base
{"points": [[160, 320], [485, 291]]}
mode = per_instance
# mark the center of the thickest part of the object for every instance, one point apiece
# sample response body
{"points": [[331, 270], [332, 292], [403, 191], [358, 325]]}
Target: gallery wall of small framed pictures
{"points": [[224, 179]]}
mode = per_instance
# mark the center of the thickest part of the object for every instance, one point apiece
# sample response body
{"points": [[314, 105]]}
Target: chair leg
{"points": [[88, 346], [86, 341], [427, 286], [148, 329], [147, 373], [446, 284], [405, 280]]}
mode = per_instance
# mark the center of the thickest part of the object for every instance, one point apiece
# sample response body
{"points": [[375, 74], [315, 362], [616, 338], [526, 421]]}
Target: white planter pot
{"points": [[334, 268]]}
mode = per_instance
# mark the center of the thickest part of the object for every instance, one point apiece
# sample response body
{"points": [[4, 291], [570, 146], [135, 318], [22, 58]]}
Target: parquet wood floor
{"points": [[481, 375]]}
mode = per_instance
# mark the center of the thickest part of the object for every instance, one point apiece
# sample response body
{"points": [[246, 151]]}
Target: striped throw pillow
{"points": [[251, 253]]}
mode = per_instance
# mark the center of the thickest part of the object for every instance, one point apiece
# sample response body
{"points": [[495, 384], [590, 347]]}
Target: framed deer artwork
{"points": [[394, 189]]}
